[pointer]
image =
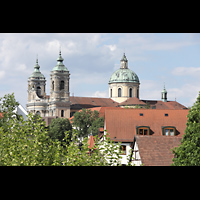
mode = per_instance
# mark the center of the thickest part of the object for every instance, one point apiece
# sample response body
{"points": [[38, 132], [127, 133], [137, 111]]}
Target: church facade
{"points": [[124, 86], [58, 102]]}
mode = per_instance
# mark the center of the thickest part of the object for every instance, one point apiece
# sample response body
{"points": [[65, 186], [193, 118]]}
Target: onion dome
{"points": [[36, 73], [60, 66]]}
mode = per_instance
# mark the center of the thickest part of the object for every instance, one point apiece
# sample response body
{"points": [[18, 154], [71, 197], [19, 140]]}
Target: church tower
{"points": [[164, 94], [36, 92], [124, 83], [59, 103]]}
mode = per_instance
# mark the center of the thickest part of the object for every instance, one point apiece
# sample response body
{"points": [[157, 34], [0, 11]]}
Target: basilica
{"points": [[124, 91]]}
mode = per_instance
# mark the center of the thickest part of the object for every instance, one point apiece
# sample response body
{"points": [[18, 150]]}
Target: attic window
{"points": [[141, 114], [166, 114], [169, 130], [142, 130]]}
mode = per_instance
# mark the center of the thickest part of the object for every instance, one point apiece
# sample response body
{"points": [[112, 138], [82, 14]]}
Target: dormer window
{"points": [[143, 130], [169, 130]]}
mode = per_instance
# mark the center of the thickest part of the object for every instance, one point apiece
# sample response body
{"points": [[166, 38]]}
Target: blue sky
{"points": [[91, 58]]}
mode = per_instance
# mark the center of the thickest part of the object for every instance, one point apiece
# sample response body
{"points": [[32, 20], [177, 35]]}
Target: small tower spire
{"points": [[124, 62], [164, 94]]}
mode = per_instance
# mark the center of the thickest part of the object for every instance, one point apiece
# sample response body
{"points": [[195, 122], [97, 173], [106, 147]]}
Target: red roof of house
{"points": [[156, 151], [121, 124]]}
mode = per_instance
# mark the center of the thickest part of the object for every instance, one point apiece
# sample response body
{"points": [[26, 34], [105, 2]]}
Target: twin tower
{"points": [[58, 102]]}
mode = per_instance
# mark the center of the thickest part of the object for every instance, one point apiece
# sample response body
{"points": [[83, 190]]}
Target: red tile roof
{"points": [[121, 124], [132, 101], [93, 101], [156, 151], [164, 105]]}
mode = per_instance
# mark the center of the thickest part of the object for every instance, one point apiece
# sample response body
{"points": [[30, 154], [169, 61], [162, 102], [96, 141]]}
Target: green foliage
{"points": [[28, 143], [87, 121], [7, 106], [58, 127], [188, 153]]}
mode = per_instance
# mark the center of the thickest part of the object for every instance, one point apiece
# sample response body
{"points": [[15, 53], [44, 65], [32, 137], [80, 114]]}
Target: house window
{"points": [[169, 131], [130, 92], [119, 92], [166, 115], [62, 113], [123, 149], [62, 84], [143, 130]]}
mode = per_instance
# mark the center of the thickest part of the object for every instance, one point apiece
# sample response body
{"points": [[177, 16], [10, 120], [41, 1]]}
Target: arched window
{"points": [[62, 84], [110, 92], [130, 92], [53, 85], [138, 93], [38, 112], [62, 113], [119, 92], [38, 91]]}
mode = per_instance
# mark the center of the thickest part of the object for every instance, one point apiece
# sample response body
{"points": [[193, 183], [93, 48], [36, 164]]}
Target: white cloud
{"points": [[2, 74], [111, 47], [21, 67], [185, 71], [103, 94]]}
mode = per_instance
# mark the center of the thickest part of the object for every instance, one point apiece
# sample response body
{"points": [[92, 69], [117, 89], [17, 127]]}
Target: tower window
{"points": [[38, 91], [110, 92], [62, 83], [119, 92], [130, 92], [62, 113], [138, 93], [53, 85]]}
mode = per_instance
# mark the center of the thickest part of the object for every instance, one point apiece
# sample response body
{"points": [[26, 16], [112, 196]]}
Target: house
{"points": [[154, 150], [129, 125]]}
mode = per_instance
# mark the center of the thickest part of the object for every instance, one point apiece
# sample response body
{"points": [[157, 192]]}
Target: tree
{"points": [[28, 143], [87, 121], [58, 127], [188, 153], [7, 106]]}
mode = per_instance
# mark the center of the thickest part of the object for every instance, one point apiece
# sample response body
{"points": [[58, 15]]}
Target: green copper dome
{"points": [[60, 66], [36, 73], [124, 74]]}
